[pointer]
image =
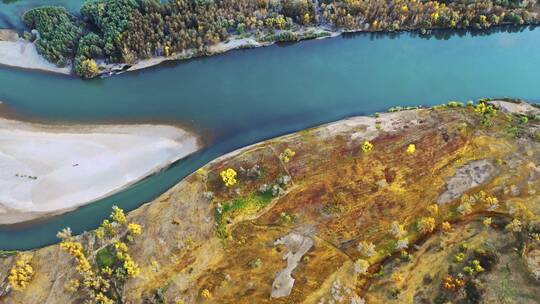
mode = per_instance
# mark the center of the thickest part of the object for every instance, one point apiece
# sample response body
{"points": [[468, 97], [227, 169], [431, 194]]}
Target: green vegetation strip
{"points": [[244, 205]]}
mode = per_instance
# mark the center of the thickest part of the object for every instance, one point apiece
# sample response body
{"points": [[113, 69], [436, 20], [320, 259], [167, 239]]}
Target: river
{"points": [[12, 10], [246, 96]]}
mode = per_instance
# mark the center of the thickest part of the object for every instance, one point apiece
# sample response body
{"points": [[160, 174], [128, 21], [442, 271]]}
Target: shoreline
{"points": [[19, 53], [367, 126], [48, 170], [234, 43], [27, 58], [238, 43]]}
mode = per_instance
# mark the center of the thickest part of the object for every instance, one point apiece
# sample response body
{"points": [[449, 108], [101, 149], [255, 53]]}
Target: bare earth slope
{"points": [[332, 223]]}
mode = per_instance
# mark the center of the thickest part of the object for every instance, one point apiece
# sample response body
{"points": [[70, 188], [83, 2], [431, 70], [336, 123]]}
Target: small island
{"points": [[51, 169], [115, 36], [417, 205]]}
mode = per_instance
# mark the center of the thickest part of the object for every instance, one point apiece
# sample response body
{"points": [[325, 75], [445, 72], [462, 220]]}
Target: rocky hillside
{"points": [[414, 206]]}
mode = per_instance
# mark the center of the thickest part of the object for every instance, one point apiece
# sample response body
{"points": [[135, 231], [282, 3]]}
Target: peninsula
{"points": [[430, 205]]}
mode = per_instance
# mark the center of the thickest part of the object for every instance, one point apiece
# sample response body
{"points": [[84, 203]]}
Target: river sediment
{"points": [[52, 169]]}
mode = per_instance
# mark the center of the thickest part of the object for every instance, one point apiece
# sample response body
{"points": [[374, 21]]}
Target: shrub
{"points": [[105, 258], [21, 274], [118, 215], [446, 226], [426, 225], [361, 266], [287, 155], [513, 131], [229, 177], [86, 68], [134, 229], [367, 146]]}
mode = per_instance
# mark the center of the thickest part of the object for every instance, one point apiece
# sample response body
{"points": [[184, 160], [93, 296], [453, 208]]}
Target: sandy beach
{"points": [[17, 52], [51, 169]]}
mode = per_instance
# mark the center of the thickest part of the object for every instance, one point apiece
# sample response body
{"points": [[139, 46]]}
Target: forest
{"points": [[125, 31]]}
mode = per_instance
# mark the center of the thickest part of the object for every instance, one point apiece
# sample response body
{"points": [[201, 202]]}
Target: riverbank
{"points": [[52, 169], [234, 43], [251, 42], [19, 53]]}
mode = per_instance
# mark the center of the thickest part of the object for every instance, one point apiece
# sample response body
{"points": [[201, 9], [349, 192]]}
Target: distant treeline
{"points": [[128, 30]]}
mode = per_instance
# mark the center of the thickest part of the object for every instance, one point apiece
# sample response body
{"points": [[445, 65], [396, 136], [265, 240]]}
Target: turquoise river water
{"points": [[12, 10], [246, 96]]}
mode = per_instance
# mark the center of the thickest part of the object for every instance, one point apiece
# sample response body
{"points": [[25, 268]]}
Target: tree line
{"points": [[124, 31]]}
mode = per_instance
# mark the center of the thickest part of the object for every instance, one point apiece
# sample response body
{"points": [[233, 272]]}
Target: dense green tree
{"points": [[59, 33], [128, 30]]}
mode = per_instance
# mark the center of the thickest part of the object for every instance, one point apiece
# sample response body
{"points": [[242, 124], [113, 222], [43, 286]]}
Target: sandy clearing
{"points": [[46, 169], [518, 108], [23, 54]]}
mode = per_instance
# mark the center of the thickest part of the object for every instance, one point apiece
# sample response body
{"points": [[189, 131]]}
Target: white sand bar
{"points": [[20, 53], [51, 169]]}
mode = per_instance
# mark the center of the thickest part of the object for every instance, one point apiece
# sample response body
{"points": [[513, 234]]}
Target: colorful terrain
{"points": [[414, 206]]}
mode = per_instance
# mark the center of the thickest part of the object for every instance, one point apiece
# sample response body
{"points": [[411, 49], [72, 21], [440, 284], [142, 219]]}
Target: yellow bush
{"points": [[118, 215], [367, 146], [515, 225], [103, 299], [307, 18], [287, 155], [411, 149], [107, 228], [229, 177], [107, 270], [87, 68], [72, 285], [446, 226], [130, 266], [121, 249], [492, 203], [100, 233], [21, 273], [122, 254], [134, 229], [458, 258], [206, 294], [426, 225], [484, 108], [75, 249], [435, 17]]}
